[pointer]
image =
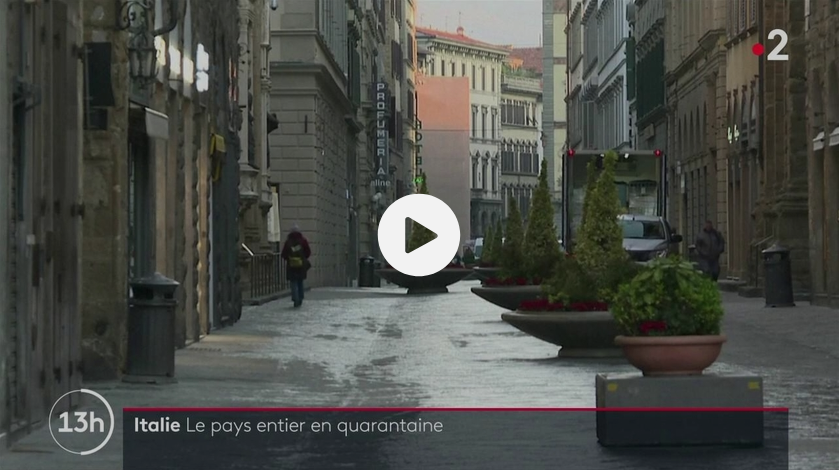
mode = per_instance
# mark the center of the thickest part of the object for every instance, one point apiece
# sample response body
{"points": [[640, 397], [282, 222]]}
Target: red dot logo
{"points": [[758, 49]]}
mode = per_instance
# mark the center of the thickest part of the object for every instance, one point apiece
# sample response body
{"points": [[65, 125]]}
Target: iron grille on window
{"points": [[754, 13], [741, 24]]}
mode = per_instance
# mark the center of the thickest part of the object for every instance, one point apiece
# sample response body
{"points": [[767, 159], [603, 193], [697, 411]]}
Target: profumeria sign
{"points": [[382, 102]]}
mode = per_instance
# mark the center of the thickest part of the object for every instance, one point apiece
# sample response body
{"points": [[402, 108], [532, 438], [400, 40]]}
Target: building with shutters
{"points": [[458, 55], [521, 129], [695, 79]]}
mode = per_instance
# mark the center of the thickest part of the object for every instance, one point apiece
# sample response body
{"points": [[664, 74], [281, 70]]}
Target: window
{"points": [[483, 78], [431, 63], [515, 113], [508, 164], [495, 177], [453, 69], [442, 68], [474, 121], [484, 176], [754, 13], [484, 123], [475, 173], [493, 78], [494, 123], [741, 18], [474, 78], [463, 69]]}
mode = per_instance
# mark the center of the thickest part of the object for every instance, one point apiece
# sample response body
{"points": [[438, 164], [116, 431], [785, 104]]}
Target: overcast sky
{"points": [[516, 22]]}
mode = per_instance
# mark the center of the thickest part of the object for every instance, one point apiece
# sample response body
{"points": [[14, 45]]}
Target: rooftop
{"points": [[531, 57], [460, 37]]}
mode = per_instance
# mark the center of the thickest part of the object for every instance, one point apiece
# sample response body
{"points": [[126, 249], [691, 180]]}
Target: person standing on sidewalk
{"points": [[710, 244], [296, 253]]}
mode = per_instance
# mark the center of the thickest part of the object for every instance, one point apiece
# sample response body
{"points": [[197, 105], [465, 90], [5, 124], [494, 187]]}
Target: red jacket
{"points": [[294, 239]]}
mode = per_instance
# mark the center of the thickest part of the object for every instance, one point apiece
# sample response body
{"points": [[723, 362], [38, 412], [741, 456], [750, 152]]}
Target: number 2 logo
{"points": [[776, 52]]}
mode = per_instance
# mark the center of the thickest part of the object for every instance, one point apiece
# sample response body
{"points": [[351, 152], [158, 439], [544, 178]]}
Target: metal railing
{"points": [[266, 275]]}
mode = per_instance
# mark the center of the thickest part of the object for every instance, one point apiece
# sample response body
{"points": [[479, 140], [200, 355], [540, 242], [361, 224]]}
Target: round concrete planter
{"points": [[436, 283], [486, 273], [671, 355], [509, 297], [580, 334]]}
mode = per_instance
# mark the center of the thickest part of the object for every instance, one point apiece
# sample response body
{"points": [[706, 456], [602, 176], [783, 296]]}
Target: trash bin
{"points": [[367, 272], [778, 277], [151, 330], [377, 281]]}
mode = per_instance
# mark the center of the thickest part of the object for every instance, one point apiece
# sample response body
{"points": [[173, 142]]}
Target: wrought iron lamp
{"points": [[142, 53]]}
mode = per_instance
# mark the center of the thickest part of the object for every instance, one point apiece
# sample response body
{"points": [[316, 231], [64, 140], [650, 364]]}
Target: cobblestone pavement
{"points": [[379, 347]]}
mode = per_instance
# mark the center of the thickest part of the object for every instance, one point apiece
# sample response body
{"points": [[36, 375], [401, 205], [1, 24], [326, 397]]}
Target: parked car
{"points": [[648, 237]]}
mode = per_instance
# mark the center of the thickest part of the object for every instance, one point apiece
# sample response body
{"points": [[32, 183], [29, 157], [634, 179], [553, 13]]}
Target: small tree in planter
{"points": [[494, 245], [488, 253], [419, 234], [541, 248], [600, 241], [512, 256], [670, 316]]}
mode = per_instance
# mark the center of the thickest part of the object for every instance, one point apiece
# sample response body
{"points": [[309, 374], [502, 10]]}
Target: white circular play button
{"points": [[434, 215]]}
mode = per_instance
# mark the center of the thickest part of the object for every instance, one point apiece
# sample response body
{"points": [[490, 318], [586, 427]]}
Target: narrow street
{"points": [[381, 348]]}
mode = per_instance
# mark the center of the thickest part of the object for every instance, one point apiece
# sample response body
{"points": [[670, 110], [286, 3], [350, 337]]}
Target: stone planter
{"points": [[485, 273], [671, 355], [580, 334], [509, 297], [436, 283]]}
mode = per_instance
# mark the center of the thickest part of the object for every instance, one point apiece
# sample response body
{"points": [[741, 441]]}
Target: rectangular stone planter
{"points": [[631, 394]]}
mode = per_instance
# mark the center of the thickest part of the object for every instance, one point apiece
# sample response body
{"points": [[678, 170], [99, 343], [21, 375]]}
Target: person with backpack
{"points": [[296, 253]]}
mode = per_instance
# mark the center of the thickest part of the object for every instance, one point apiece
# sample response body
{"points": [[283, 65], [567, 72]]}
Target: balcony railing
{"points": [[263, 276]]}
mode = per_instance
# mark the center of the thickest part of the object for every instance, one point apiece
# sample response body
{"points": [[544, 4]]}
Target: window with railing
{"points": [[514, 113], [508, 159]]}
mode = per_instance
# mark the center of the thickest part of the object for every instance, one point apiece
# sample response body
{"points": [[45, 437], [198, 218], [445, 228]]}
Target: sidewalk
{"points": [[378, 347]]}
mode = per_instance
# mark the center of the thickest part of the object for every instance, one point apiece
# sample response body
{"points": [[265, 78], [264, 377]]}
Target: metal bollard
{"points": [[151, 330], [778, 277]]}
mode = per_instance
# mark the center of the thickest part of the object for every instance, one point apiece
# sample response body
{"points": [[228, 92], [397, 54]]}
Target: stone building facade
{"points": [[521, 146], [823, 156], [555, 88], [649, 106], [314, 152], [160, 173], [458, 55], [695, 78], [41, 210], [742, 144], [782, 196]]}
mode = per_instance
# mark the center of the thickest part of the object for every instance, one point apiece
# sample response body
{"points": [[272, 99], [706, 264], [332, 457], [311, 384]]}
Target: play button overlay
{"points": [[431, 213], [417, 226]]}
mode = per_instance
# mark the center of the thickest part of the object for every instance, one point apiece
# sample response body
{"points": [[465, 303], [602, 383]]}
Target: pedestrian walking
{"points": [[296, 253], [710, 244]]}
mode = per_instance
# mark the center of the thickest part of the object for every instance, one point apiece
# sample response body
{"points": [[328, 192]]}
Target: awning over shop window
{"points": [[148, 121]]}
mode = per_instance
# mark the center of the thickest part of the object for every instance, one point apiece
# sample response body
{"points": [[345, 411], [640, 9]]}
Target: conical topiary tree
{"points": [[419, 234], [488, 253], [599, 245], [541, 248], [591, 182], [512, 256], [497, 242]]}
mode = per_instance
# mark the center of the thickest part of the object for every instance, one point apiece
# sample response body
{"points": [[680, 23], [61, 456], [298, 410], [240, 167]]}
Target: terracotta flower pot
{"points": [[671, 355]]}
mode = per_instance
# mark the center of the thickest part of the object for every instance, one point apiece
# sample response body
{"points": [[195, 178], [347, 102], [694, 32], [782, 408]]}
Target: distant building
{"points": [[457, 55], [555, 90], [444, 113], [521, 130]]}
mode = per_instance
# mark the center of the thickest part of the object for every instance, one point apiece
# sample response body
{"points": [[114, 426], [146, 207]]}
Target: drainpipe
{"points": [[5, 185]]}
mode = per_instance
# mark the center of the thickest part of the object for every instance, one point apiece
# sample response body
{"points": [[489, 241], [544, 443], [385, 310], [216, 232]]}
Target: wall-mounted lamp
{"points": [[142, 53]]}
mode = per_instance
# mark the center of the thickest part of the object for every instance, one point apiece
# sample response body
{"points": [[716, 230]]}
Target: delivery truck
{"points": [[640, 177]]}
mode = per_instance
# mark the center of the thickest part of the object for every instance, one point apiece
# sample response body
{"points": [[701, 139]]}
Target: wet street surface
{"points": [[381, 348]]}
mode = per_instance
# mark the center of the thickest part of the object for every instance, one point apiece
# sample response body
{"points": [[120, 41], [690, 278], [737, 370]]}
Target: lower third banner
{"points": [[406, 439]]}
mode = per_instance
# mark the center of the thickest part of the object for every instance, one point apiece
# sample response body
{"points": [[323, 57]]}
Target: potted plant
{"points": [[488, 263], [575, 314], [541, 247], [512, 282], [670, 317], [434, 283]]}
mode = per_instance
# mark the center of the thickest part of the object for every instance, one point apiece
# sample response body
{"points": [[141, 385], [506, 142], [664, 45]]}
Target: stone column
{"points": [[248, 174]]}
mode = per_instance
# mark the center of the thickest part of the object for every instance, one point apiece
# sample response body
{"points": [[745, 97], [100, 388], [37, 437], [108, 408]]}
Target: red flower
{"points": [[649, 326]]}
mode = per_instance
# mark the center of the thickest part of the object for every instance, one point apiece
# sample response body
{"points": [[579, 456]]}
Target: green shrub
{"points": [[668, 298], [419, 234], [599, 243], [512, 257], [541, 248], [488, 252], [496, 243]]}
